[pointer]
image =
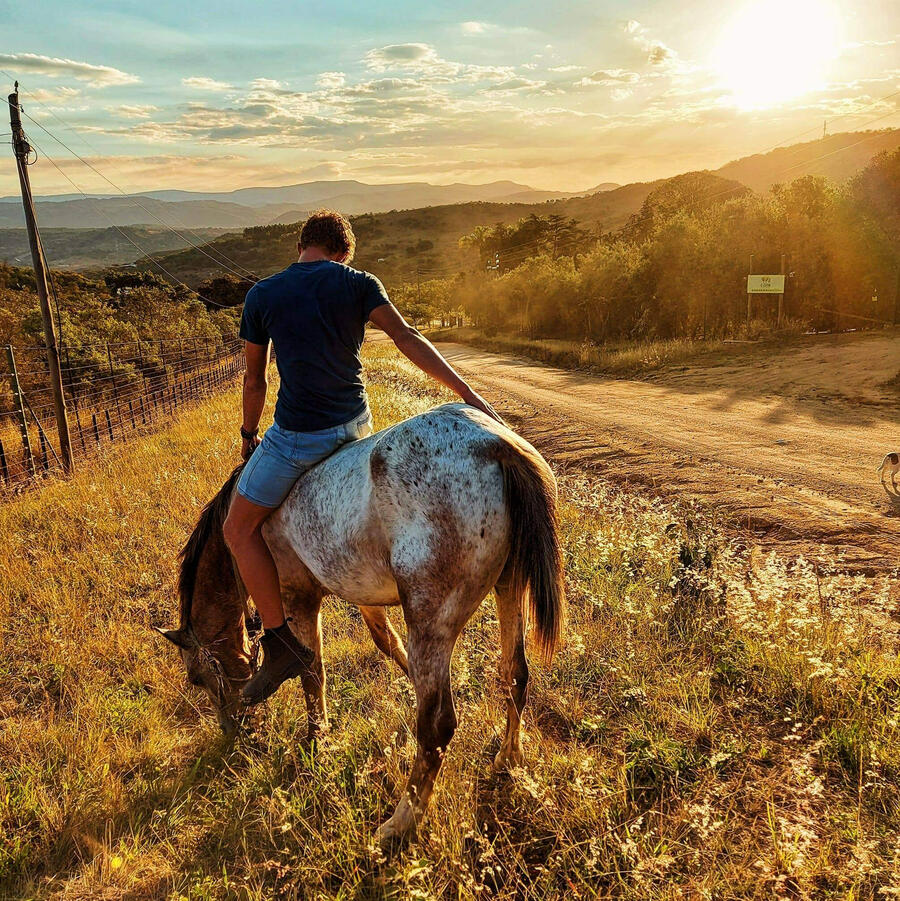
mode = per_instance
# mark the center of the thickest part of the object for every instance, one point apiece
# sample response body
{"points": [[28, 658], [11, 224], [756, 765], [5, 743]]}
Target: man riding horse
{"points": [[430, 515], [314, 314]]}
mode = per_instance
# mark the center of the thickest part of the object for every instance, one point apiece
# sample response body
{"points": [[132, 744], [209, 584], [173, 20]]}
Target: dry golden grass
{"points": [[627, 358], [715, 726]]}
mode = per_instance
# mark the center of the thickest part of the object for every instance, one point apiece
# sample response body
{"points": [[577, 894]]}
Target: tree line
{"points": [[679, 267]]}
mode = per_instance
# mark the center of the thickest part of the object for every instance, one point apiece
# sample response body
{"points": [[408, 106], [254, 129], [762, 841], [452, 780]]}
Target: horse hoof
{"points": [[389, 839], [398, 830], [508, 760]]}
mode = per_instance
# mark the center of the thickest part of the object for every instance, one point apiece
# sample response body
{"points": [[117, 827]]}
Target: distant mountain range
{"points": [[258, 206], [836, 156]]}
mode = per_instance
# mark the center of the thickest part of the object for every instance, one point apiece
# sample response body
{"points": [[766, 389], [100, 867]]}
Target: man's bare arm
{"points": [[423, 353], [256, 386]]}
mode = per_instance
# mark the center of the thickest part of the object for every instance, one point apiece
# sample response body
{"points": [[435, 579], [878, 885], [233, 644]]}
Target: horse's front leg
{"points": [[305, 619], [429, 669]]}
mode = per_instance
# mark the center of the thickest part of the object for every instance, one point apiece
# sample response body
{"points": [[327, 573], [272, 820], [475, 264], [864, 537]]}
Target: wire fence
{"points": [[113, 391]]}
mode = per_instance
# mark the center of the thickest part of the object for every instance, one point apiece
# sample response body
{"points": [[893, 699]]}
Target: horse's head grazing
{"points": [[212, 637], [220, 668]]}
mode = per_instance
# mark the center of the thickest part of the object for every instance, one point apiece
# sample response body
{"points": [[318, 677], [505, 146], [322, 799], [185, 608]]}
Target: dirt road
{"points": [[785, 446]]}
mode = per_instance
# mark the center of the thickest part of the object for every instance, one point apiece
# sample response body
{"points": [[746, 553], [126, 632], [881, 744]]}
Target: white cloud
{"points": [[424, 60], [331, 80], [400, 56], [658, 54], [517, 85], [475, 27], [267, 84], [610, 77], [133, 111], [59, 95], [202, 83], [58, 67]]}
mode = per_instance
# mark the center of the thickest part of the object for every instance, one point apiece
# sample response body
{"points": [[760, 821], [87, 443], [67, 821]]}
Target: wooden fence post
{"points": [[4, 469], [115, 387], [20, 410], [45, 463]]}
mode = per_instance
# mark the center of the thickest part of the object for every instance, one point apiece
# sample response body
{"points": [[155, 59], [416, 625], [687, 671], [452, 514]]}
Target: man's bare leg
{"points": [[243, 535], [284, 657]]}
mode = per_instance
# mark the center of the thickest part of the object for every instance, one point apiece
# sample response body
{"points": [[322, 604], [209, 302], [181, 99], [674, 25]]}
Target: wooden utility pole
{"points": [[22, 149]]}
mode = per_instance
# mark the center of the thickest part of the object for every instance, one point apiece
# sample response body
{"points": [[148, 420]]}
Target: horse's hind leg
{"points": [[306, 623], [385, 637], [429, 668], [513, 673]]}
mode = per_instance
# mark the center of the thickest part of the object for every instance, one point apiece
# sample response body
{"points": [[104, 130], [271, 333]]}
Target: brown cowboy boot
{"points": [[284, 657]]}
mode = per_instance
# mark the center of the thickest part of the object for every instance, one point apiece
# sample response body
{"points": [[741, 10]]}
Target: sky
{"points": [[211, 96]]}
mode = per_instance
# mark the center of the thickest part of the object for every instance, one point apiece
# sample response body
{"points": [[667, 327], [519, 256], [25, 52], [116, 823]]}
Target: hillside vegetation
{"points": [[717, 725], [99, 321], [86, 248], [662, 261]]}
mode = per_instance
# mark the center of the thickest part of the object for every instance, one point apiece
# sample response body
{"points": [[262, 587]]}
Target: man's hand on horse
{"points": [[474, 399]]}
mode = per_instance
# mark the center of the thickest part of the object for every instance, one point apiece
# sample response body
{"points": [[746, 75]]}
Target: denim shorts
{"points": [[283, 456]]}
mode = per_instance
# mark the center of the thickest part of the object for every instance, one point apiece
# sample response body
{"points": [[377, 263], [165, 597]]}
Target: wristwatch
{"points": [[249, 436]]}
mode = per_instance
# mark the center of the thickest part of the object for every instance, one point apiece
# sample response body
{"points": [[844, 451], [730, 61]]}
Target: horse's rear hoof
{"points": [[508, 760], [390, 842], [393, 834]]}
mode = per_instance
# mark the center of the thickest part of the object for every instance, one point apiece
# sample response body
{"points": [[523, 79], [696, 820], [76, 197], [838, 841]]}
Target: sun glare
{"points": [[776, 50]]}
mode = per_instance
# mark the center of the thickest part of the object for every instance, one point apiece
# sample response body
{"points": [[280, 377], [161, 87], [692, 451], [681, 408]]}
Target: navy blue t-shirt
{"points": [[315, 315]]}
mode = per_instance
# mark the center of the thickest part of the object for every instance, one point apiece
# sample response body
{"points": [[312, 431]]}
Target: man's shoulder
{"points": [[269, 285], [353, 273]]}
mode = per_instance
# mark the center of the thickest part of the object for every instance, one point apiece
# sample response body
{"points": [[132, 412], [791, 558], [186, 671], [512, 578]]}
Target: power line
{"points": [[132, 198], [130, 240], [149, 212]]}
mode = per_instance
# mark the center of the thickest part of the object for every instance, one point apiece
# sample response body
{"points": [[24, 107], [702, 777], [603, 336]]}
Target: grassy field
{"points": [[717, 725]]}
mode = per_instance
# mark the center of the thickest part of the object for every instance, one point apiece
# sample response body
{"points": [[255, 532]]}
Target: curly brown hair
{"points": [[330, 231]]}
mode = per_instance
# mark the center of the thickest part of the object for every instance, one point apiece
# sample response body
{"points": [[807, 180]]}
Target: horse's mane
{"points": [[210, 523]]}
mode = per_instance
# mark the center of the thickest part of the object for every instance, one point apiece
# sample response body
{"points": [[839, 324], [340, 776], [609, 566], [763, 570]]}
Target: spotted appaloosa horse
{"points": [[430, 514]]}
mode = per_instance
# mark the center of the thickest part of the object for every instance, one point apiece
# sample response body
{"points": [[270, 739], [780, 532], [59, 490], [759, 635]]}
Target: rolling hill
{"points": [[255, 206], [403, 245], [421, 230], [835, 157]]}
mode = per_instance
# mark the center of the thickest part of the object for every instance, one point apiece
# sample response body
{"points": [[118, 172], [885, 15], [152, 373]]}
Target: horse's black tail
{"points": [[535, 559], [208, 528]]}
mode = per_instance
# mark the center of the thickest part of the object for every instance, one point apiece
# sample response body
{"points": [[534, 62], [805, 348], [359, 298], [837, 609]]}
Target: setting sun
{"points": [[775, 51]]}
